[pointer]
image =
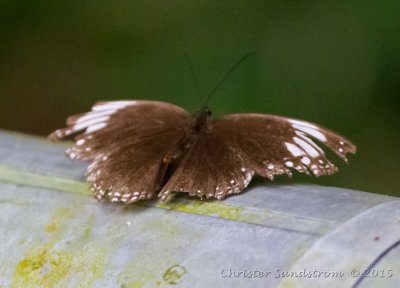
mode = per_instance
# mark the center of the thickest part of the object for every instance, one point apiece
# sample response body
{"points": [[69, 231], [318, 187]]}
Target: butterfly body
{"points": [[140, 149]]}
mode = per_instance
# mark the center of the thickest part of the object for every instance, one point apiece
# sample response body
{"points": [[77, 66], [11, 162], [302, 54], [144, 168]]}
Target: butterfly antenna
{"points": [[199, 91], [227, 75]]}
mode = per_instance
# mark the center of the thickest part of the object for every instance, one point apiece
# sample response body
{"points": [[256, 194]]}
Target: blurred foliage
{"points": [[335, 63]]}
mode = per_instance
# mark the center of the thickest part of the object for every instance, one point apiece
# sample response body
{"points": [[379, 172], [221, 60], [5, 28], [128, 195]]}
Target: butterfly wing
{"points": [[223, 160], [128, 142], [210, 169]]}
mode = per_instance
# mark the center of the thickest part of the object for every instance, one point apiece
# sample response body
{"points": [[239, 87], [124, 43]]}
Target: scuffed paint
{"points": [[203, 208], [174, 274], [45, 266], [42, 268], [143, 272], [87, 231], [51, 228], [48, 265], [139, 283]]}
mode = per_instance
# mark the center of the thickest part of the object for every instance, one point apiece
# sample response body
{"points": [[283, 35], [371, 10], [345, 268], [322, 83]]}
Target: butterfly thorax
{"points": [[201, 121]]}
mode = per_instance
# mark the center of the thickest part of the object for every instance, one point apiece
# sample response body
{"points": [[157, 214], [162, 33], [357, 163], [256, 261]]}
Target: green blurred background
{"points": [[335, 63]]}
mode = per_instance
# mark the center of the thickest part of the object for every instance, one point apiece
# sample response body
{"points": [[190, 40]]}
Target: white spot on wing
{"points": [[114, 105], [311, 131], [289, 163], [294, 149], [95, 127], [306, 147], [302, 123], [311, 142], [305, 160], [93, 115], [82, 125], [249, 176]]}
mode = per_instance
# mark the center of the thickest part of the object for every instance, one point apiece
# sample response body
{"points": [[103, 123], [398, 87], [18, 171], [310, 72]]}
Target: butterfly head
{"points": [[207, 111]]}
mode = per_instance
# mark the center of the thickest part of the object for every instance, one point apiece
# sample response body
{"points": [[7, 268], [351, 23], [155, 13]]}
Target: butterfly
{"points": [[139, 149]]}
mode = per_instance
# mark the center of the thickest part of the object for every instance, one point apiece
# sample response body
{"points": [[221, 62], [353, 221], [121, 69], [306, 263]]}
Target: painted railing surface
{"points": [[54, 234]]}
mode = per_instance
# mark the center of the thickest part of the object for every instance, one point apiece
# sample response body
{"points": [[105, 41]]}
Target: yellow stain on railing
{"points": [[48, 265]]}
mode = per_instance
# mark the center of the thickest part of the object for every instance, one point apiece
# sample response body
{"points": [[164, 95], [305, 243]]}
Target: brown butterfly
{"points": [[142, 148]]}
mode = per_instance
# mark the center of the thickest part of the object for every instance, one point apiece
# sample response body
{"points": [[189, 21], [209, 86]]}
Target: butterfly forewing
{"points": [[273, 145], [127, 141]]}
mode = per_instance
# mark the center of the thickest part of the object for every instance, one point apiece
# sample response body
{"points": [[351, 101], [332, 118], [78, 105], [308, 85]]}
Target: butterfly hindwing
{"points": [[209, 169]]}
